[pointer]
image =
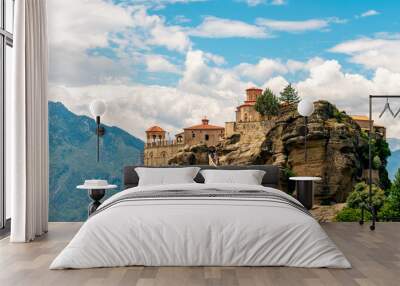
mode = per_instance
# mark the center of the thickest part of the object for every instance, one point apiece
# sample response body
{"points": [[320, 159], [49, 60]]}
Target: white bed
{"points": [[202, 231]]}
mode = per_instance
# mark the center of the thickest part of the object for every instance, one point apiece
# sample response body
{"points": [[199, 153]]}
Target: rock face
{"points": [[333, 147]]}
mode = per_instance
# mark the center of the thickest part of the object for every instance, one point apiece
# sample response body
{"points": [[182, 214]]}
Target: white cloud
{"points": [[298, 26], [382, 51], [153, 30], [294, 66], [276, 84], [79, 25], [261, 71], [212, 82], [213, 27], [368, 13], [158, 63]]}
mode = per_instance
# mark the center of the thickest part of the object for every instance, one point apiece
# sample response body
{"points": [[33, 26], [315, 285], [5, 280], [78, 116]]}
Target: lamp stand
{"points": [[305, 138], [370, 206], [99, 132], [98, 137]]}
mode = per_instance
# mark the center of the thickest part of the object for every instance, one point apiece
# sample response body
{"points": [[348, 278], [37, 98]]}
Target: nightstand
{"points": [[96, 192], [305, 190]]}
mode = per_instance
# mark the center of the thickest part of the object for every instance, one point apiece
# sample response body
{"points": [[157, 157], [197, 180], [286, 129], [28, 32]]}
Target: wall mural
{"points": [[194, 82]]}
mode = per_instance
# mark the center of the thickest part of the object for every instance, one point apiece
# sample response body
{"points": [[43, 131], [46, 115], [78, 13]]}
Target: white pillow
{"points": [[248, 177], [166, 176]]}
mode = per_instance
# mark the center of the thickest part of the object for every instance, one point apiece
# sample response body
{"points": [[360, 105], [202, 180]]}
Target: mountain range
{"points": [[72, 147]]}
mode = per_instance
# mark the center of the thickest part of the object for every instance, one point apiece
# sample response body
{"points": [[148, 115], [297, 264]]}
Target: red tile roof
{"points": [[204, 126], [254, 88], [155, 129], [246, 103]]}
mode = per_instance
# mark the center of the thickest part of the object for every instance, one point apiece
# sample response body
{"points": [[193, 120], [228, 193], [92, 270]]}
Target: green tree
{"points": [[359, 197], [267, 104], [289, 95], [391, 208]]}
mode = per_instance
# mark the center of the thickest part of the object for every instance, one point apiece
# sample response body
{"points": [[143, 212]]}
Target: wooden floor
{"points": [[375, 257]]}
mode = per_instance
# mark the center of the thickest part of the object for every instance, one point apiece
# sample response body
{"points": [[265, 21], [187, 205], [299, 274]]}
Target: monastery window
{"points": [[193, 135], [206, 137]]}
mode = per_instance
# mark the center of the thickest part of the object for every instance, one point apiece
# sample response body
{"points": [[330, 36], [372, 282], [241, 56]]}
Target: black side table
{"points": [[96, 193], [305, 190]]}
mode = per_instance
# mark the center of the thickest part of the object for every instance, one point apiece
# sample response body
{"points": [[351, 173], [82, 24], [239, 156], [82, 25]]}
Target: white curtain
{"points": [[27, 123]]}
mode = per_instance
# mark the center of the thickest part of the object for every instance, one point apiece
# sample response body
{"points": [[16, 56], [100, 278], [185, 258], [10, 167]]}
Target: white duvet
{"points": [[200, 231]]}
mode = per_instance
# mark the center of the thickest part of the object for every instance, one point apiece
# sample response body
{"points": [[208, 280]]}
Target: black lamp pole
{"points": [[98, 137], [305, 138]]}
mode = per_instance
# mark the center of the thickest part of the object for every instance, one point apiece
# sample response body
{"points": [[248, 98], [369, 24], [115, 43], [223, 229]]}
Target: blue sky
{"points": [[170, 62], [301, 45]]}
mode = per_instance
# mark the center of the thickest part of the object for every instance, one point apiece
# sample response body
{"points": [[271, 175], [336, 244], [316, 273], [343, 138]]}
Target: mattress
{"points": [[201, 225]]}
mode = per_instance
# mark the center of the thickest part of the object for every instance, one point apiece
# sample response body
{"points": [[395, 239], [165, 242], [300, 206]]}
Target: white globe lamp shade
{"points": [[97, 108], [305, 107]]}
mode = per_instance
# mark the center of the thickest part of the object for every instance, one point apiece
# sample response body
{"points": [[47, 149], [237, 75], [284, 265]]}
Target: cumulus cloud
{"points": [[158, 63], [382, 51], [154, 31], [79, 25], [276, 84], [262, 70], [209, 81], [213, 27]]}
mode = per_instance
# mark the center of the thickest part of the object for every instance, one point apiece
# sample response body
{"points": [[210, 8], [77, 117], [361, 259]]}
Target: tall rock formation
{"points": [[334, 144]]}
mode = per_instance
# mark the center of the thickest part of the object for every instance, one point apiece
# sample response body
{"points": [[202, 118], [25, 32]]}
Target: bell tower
{"points": [[155, 134]]}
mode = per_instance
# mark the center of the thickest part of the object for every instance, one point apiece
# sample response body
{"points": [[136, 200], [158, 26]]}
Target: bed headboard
{"points": [[271, 177]]}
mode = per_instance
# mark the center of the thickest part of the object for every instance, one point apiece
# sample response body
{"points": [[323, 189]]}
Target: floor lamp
{"points": [[370, 207], [305, 108], [98, 108]]}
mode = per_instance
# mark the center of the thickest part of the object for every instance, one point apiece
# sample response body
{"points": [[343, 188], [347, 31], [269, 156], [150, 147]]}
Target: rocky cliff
{"points": [[334, 142]]}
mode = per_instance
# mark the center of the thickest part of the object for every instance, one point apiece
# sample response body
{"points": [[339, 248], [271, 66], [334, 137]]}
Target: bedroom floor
{"points": [[375, 257]]}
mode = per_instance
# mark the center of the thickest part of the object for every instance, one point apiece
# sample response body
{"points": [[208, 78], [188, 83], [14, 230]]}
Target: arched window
{"points": [[206, 137]]}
